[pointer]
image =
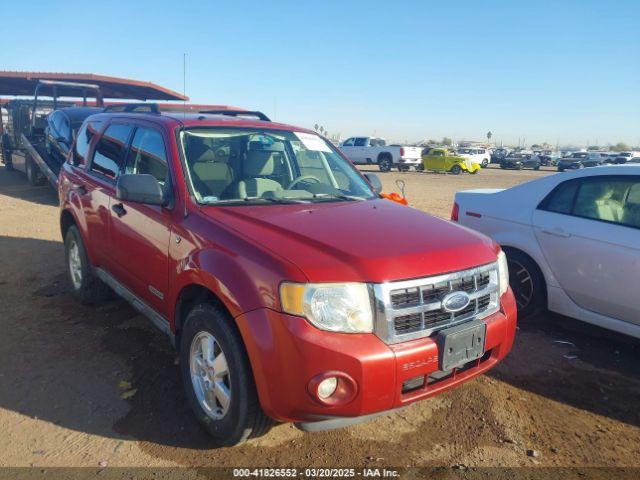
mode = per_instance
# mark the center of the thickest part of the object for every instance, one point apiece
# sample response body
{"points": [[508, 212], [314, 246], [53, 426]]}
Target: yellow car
{"points": [[442, 160]]}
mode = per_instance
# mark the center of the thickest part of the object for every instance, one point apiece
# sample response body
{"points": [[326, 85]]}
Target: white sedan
{"points": [[572, 242]]}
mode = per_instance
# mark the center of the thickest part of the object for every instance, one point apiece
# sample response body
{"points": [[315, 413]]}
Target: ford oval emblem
{"points": [[455, 301]]}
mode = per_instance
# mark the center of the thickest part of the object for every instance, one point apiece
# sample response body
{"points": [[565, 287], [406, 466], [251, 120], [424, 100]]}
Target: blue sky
{"points": [[566, 71]]}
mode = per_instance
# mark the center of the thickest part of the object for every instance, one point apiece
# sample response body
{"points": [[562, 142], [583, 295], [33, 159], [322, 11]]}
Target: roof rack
{"points": [[238, 113], [133, 108]]}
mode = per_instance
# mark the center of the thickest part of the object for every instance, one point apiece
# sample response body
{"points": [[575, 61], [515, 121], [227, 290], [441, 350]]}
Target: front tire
{"points": [[456, 169], [217, 377], [485, 163], [527, 283], [85, 286]]}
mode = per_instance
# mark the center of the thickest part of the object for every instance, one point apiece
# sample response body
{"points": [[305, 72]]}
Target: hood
{"points": [[366, 241]]}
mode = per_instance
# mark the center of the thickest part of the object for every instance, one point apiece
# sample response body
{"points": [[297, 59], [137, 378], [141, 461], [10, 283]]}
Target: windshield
{"points": [[245, 165], [464, 150], [579, 155]]}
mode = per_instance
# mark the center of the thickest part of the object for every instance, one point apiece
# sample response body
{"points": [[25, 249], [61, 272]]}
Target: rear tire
{"points": [[527, 282], [222, 394], [34, 176], [85, 286], [385, 163], [485, 163]]}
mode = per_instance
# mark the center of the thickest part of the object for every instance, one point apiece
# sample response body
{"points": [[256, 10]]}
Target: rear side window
{"points": [[147, 154], [109, 150], [560, 200], [83, 140], [360, 142]]}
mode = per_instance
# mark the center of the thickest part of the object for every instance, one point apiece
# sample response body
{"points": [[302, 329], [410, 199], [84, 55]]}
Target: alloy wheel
{"points": [[521, 283], [75, 265], [210, 375]]}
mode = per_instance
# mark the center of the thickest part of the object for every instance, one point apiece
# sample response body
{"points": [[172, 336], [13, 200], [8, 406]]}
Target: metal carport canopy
{"points": [[24, 83]]}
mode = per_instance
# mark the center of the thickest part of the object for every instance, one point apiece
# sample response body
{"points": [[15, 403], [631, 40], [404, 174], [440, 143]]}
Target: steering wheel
{"points": [[302, 178]]}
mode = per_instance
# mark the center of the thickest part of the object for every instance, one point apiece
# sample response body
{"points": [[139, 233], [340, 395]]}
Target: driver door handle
{"points": [[119, 209], [557, 232]]}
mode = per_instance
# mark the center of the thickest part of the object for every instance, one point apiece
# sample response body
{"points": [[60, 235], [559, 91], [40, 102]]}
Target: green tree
{"points": [[489, 135], [618, 147], [593, 147], [432, 142], [447, 141]]}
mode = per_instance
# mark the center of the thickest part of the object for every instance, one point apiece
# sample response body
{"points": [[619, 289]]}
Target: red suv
{"points": [[292, 291]]}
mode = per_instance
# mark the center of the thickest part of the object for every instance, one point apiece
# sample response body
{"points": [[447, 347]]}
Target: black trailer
{"points": [[22, 127]]}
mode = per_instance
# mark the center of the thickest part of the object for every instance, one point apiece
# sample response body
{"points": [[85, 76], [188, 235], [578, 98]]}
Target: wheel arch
{"points": [[191, 295], [508, 248], [383, 155], [66, 221]]}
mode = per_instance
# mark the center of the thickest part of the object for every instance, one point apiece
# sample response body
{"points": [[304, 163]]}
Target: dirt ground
{"points": [[62, 364]]}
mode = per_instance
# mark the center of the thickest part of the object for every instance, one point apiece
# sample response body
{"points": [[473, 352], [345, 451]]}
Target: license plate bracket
{"points": [[461, 344]]}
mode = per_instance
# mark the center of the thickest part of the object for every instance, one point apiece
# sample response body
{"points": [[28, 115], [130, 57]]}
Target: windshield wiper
{"points": [[277, 199], [341, 196]]}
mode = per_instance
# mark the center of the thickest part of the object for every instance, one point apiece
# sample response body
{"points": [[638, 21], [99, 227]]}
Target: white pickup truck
{"points": [[372, 150]]}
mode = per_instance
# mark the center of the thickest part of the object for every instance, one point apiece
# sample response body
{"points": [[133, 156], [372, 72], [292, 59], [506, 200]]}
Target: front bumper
{"points": [[286, 352]]}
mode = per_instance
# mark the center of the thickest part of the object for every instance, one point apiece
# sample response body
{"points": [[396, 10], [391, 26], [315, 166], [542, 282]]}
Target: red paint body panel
{"points": [[243, 253]]}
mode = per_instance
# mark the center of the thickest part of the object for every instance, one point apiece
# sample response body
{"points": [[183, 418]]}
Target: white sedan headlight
{"points": [[336, 307], [503, 272]]}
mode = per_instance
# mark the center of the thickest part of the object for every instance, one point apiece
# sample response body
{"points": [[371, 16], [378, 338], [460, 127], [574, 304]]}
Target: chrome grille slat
{"points": [[412, 309]]}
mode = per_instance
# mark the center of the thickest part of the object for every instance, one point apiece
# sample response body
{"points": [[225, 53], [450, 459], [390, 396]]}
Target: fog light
{"points": [[327, 387]]}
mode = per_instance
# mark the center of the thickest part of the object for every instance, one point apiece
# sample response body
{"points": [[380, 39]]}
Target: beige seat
{"points": [[596, 202], [211, 175], [258, 165]]}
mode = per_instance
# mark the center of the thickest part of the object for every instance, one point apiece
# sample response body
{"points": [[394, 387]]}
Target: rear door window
{"points": [[612, 199], [108, 154]]}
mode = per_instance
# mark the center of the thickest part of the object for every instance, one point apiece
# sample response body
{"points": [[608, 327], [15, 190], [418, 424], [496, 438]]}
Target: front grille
{"points": [[413, 309]]}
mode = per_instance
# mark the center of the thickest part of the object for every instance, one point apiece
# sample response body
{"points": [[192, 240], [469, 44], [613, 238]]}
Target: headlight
{"points": [[503, 272], [337, 307]]}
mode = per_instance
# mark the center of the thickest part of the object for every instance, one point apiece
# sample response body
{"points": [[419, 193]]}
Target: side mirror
{"points": [[139, 188], [374, 181]]}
